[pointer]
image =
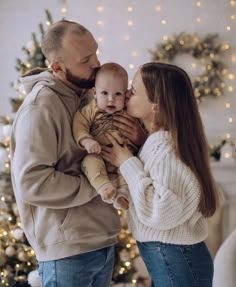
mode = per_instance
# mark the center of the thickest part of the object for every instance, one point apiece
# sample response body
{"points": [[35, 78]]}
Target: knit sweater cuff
{"points": [[130, 168]]}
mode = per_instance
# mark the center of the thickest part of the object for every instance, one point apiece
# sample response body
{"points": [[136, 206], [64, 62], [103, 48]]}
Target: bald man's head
{"points": [[52, 42]]}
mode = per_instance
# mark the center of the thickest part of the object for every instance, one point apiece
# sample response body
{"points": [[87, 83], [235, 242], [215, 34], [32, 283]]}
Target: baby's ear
{"points": [[94, 93]]}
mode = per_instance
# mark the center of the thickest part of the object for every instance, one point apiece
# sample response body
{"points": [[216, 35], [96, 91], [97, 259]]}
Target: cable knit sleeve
{"points": [[165, 194]]}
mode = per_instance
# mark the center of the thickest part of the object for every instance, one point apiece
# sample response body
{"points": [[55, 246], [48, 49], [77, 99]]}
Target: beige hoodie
{"points": [[60, 213]]}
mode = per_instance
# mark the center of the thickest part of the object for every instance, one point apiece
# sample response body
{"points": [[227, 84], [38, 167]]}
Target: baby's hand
{"points": [[91, 145]]}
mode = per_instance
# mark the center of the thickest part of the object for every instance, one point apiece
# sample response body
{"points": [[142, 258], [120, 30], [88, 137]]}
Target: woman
{"points": [[171, 188]]}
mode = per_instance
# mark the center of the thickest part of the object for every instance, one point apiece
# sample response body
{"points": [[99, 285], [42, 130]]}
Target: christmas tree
{"points": [[125, 254]]}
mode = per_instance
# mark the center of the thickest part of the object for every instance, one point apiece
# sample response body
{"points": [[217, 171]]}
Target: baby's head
{"points": [[110, 87]]}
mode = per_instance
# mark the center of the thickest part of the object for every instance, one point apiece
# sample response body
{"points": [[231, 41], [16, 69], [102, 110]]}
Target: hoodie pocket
{"points": [[47, 225], [95, 219]]}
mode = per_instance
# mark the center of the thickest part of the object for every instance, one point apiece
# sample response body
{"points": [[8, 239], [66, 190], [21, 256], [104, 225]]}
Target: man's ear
{"points": [[58, 68]]}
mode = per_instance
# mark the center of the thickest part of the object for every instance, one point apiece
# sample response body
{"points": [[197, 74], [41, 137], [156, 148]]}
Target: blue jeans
{"points": [[91, 269], [172, 265]]}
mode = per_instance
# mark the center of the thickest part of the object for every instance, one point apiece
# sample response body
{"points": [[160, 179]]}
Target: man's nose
{"points": [[96, 62]]}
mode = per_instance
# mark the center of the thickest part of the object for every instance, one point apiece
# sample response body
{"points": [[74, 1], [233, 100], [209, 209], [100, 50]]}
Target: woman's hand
{"points": [[116, 154], [130, 128]]}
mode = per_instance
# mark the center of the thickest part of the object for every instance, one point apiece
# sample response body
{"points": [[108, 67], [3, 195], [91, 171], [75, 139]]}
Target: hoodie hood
{"points": [[45, 77]]}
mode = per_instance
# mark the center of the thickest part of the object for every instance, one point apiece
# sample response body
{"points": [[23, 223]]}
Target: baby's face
{"points": [[110, 92]]}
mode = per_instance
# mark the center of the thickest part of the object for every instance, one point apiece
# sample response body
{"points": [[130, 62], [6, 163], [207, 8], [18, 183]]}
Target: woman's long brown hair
{"points": [[170, 87]]}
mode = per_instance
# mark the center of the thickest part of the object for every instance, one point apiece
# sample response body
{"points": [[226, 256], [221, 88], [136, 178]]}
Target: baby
{"points": [[89, 126]]}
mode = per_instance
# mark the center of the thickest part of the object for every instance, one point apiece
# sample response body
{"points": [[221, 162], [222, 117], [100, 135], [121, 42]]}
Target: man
{"points": [[71, 229]]}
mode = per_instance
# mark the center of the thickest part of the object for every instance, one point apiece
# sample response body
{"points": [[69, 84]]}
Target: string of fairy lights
{"points": [[134, 56], [231, 28], [230, 76]]}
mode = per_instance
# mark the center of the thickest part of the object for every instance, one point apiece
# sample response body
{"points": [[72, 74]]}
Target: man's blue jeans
{"points": [[177, 265], [91, 269]]}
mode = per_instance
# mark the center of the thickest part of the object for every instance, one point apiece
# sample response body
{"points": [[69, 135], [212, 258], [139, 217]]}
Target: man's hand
{"points": [[91, 145], [130, 128]]}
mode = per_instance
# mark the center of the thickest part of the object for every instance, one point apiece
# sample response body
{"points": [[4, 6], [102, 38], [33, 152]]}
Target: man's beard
{"points": [[80, 82]]}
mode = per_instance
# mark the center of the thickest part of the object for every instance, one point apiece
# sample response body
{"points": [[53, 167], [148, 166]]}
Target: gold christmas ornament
{"points": [[10, 251], [22, 256], [18, 233]]}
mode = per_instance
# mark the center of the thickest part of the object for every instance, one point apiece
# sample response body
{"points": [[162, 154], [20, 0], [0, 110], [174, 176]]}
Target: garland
{"points": [[208, 50]]}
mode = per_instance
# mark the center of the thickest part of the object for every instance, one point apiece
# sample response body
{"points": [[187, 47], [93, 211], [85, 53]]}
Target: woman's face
{"points": [[138, 103]]}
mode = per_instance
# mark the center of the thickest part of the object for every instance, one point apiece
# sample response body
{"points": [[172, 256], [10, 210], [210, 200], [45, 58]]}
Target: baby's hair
{"points": [[113, 68]]}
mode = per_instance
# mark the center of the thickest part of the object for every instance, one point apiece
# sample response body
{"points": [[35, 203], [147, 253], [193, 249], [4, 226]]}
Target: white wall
{"points": [[18, 19]]}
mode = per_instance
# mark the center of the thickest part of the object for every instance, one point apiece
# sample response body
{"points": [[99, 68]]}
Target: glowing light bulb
{"points": [[100, 8], [226, 46], [231, 76], [130, 23], [63, 10], [227, 105], [227, 155], [130, 9], [158, 8], [134, 54]]}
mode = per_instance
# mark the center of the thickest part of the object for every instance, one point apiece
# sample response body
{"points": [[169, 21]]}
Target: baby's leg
{"points": [[121, 200], [94, 168]]}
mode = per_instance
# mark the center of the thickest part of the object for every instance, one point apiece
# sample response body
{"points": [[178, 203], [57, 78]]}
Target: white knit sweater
{"points": [[164, 195]]}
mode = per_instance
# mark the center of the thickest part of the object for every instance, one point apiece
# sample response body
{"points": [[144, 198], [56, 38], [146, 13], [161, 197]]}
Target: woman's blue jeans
{"points": [[91, 269], [172, 265]]}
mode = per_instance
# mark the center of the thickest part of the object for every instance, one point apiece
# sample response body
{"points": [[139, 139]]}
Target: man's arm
{"points": [[36, 178]]}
